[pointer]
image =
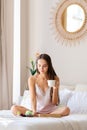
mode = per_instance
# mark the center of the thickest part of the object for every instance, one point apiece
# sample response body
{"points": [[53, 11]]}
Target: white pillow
{"points": [[26, 102], [64, 95], [78, 102], [69, 87], [81, 87]]}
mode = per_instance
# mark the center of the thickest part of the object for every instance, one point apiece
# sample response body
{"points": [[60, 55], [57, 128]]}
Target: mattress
{"points": [[71, 122]]}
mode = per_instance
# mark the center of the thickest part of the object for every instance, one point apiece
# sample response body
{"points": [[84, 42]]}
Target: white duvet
{"points": [[71, 122]]}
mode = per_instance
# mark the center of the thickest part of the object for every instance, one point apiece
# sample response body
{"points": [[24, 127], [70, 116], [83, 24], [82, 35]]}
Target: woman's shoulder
{"points": [[33, 78], [31, 81]]}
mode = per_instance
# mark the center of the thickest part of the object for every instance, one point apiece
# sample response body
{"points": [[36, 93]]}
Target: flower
{"points": [[37, 54], [33, 67], [33, 64]]}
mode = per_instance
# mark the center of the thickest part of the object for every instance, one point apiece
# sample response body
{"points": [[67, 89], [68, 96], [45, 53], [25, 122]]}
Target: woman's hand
{"points": [[55, 93]]}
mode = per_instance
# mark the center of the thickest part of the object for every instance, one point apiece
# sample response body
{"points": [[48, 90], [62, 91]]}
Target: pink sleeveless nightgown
{"points": [[44, 104]]}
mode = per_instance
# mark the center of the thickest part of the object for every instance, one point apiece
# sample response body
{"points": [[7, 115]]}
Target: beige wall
{"points": [[70, 63]]}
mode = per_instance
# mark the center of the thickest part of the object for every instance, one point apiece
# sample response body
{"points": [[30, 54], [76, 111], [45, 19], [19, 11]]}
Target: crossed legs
{"points": [[63, 111]]}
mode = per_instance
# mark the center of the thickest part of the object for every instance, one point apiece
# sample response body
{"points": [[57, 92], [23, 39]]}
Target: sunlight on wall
{"points": [[16, 65]]}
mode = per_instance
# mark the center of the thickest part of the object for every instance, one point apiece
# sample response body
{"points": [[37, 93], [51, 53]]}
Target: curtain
{"points": [[6, 53]]}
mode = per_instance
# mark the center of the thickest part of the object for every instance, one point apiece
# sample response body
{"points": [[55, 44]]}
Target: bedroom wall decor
{"points": [[73, 13]]}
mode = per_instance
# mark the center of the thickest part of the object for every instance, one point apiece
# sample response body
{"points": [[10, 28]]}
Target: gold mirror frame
{"points": [[65, 37]]}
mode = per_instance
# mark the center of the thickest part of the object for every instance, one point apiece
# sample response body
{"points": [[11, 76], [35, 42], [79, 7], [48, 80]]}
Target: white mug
{"points": [[51, 83]]}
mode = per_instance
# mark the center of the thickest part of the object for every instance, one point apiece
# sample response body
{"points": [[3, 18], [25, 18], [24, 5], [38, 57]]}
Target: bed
{"points": [[74, 97]]}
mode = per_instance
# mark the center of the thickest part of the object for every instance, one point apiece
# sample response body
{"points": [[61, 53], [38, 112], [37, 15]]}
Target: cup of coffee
{"points": [[51, 83]]}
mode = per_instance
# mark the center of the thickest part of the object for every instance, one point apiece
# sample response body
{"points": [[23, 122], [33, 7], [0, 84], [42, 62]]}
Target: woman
{"points": [[44, 99]]}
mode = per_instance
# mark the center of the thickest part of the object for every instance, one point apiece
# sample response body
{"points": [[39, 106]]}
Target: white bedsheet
{"points": [[72, 122]]}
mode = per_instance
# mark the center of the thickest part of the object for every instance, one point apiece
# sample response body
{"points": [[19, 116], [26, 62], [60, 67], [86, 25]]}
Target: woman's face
{"points": [[42, 66]]}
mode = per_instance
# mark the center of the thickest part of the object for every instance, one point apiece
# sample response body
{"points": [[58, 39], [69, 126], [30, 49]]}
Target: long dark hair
{"points": [[51, 72]]}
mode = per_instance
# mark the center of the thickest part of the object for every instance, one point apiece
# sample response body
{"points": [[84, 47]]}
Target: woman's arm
{"points": [[55, 93], [31, 83]]}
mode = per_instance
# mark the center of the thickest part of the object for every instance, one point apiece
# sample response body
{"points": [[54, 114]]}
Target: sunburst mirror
{"points": [[69, 21]]}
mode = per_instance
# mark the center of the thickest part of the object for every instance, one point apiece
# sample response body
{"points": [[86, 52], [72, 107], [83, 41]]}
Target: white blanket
{"points": [[72, 122]]}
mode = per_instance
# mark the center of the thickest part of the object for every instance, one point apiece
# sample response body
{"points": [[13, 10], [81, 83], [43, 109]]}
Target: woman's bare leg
{"points": [[63, 111], [15, 109]]}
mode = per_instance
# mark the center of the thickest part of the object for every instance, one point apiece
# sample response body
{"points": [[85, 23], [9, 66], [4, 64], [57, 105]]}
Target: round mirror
{"points": [[73, 18], [69, 20]]}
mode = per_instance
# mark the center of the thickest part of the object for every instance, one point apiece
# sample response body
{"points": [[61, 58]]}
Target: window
{"points": [[16, 58]]}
